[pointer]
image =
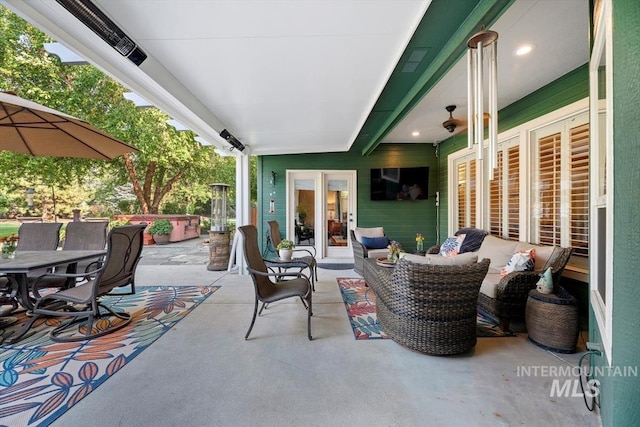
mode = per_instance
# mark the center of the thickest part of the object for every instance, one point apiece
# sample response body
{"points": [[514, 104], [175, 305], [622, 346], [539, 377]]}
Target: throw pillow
{"points": [[375, 242], [451, 246], [473, 239], [520, 261]]}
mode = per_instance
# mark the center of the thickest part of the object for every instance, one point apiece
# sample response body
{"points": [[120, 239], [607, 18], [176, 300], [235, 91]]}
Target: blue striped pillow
{"points": [[375, 242]]}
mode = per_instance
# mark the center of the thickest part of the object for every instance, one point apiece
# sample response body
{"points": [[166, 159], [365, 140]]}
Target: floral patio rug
{"points": [[41, 379], [360, 302]]}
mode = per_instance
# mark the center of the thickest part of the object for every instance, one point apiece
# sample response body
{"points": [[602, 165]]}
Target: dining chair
{"points": [[82, 303], [82, 236], [32, 236], [271, 286], [38, 236], [78, 236]]}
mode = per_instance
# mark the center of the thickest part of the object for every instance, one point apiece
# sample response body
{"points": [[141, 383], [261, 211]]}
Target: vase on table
{"points": [[419, 242], [8, 255], [9, 245]]}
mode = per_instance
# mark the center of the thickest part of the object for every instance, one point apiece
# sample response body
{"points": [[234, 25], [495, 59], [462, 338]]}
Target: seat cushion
{"points": [[368, 232], [499, 251], [433, 259], [378, 253], [489, 285]]}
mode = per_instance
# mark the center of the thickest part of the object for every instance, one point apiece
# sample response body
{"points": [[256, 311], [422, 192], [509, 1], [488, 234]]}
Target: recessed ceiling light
{"points": [[415, 133], [524, 49]]}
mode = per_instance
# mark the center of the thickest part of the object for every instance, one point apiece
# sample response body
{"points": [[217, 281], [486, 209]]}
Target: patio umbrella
{"points": [[30, 128]]}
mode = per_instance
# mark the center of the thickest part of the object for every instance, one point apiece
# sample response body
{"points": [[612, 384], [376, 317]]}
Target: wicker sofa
{"points": [[506, 297], [428, 308]]}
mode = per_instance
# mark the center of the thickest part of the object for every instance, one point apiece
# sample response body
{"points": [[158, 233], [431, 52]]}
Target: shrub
{"points": [[160, 226], [118, 223]]}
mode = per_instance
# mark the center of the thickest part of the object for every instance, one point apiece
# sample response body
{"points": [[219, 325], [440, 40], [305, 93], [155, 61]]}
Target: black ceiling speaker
{"points": [[89, 14], [451, 123], [232, 140]]}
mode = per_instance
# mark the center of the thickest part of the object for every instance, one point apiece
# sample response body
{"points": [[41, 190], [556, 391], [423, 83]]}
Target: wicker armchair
{"points": [[513, 289], [359, 254], [360, 251], [429, 308]]}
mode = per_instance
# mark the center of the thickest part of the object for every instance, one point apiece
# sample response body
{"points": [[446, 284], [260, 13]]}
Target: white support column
{"points": [[243, 206]]}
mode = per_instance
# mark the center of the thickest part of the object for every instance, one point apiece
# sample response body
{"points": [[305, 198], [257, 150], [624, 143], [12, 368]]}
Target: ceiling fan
{"points": [[451, 123]]}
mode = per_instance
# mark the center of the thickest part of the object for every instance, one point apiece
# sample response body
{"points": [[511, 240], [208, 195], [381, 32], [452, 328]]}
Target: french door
{"points": [[321, 210]]}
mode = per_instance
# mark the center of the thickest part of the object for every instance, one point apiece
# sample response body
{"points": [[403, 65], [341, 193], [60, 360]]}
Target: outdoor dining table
{"points": [[30, 261]]}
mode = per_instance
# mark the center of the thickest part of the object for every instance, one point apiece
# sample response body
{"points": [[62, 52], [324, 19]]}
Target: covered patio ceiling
{"points": [[320, 76]]}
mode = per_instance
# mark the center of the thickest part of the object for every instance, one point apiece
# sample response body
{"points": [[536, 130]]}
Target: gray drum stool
{"points": [[552, 320]]}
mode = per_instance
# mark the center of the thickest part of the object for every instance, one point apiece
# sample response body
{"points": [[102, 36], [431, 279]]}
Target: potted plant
{"points": [[285, 249], [160, 230]]}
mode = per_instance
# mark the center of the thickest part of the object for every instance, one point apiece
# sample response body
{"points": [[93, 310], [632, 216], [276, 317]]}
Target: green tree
{"points": [[169, 165]]}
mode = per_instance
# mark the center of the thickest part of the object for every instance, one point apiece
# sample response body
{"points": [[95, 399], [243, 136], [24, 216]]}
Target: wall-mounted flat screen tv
{"points": [[400, 183]]}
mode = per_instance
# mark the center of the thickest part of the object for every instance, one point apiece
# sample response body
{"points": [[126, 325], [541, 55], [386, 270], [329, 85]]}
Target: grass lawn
{"points": [[6, 228]]}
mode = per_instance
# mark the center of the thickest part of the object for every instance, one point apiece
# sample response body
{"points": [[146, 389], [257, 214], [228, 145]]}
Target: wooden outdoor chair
{"points": [[284, 285], [83, 302]]}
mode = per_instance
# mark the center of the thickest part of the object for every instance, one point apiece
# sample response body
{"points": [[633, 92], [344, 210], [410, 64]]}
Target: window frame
{"points": [[524, 133], [602, 51]]}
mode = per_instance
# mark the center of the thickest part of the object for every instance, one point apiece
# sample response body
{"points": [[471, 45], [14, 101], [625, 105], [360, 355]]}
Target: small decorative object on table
{"points": [[395, 249], [384, 262], [285, 249], [419, 242], [9, 244], [545, 284]]}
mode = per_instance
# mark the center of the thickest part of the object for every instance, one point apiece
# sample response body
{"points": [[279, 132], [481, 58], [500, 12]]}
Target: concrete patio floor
{"points": [[203, 372]]}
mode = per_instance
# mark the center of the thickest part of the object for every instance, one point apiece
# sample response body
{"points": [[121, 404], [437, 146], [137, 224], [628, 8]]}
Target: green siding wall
{"points": [[569, 88], [400, 219]]}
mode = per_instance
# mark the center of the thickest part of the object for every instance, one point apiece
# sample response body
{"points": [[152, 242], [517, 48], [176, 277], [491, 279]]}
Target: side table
{"points": [[552, 320], [283, 265]]}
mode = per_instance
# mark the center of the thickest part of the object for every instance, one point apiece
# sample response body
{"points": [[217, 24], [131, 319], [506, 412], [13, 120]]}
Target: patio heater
{"points": [[29, 193], [219, 232]]}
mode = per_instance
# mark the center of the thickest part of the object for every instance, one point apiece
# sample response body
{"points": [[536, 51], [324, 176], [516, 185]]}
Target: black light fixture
{"points": [[89, 14], [232, 140]]}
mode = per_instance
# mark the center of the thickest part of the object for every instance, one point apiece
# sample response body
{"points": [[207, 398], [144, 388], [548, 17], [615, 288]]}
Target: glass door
{"points": [[339, 214], [321, 210], [304, 203]]}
